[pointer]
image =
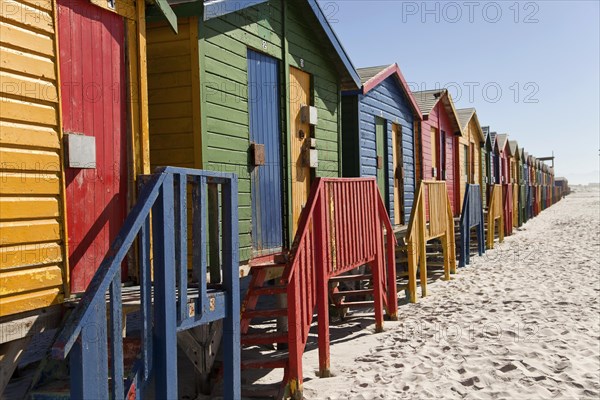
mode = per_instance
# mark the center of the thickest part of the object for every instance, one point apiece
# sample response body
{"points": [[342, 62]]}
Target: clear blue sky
{"points": [[543, 56]]}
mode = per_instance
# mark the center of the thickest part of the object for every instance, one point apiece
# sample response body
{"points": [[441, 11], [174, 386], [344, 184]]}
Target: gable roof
{"points": [[428, 99], [514, 147], [320, 24], [465, 115], [493, 136], [501, 141], [371, 77]]}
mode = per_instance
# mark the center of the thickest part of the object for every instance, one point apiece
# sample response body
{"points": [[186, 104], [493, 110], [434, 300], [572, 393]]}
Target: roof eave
{"points": [[394, 69], [354, 82]]}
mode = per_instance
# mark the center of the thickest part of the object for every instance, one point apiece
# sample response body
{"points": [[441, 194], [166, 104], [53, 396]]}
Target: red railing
{"points": [[343, 226]]}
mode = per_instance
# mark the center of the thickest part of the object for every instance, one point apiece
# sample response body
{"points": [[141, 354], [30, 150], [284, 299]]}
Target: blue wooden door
{"points": [[265, 129]]}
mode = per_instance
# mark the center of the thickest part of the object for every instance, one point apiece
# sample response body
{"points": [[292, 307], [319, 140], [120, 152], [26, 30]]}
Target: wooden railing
{"points": [[164, 304], [471, 217], [343, 226], [495, 215], [431, 202]]}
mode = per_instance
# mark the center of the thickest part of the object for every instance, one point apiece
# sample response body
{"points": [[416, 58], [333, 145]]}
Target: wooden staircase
{"points": [[337, 233]]}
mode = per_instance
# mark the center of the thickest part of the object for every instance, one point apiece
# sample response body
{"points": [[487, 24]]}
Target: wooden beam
{"points": [[30, 324], [10, 354]]}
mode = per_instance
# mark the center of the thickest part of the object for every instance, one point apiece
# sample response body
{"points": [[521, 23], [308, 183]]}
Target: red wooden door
{"points": [[92, 72]]}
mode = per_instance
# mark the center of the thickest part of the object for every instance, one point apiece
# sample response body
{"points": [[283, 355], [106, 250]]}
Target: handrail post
{"points": [[231, 282], [377, 264], [89, 359], [165, 318], [296, 347], [322, 273], [116, 337], [392, 292]]}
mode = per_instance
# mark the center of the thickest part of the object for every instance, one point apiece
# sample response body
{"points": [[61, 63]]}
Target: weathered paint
{"points": [[32, 228], [265, 129], [222, 115], [388, 102], [93, 104], [299, 140]]}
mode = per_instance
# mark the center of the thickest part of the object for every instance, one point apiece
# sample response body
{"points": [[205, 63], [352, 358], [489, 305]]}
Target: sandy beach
{"points": [[521, 322]]}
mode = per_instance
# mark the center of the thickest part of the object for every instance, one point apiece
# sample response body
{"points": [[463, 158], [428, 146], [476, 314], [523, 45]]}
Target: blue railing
{"points": [[472, 216], [165, 306]]}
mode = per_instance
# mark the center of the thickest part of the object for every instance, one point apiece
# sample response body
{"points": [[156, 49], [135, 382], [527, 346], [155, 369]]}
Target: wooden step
{"points": [[352, 292], [355, 304], [268, 290], [267, 265], [270, 361], [346, 278], [267, 313], [264, 338]]}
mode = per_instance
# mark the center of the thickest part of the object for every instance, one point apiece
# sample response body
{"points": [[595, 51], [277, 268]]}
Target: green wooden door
{"points": [[381, 159]]}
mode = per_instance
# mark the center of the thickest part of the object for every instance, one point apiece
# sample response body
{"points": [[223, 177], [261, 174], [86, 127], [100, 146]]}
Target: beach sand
{"points": [[521, 322]]}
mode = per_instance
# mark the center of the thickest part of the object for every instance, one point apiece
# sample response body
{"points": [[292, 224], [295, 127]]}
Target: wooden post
{"points": [[89, 357], [165, 330], [422, 244], [320, 243], [232, 378]]}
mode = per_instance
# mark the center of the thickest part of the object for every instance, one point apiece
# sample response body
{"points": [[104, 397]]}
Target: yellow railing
{"points": [[432, 204], [495, 212]]}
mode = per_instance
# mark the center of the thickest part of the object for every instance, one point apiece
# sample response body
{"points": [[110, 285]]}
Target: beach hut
{"points": [[436, 138], [514, 180], [73, 131], [562, 184], [495, 160], [83, 136], [485, 167], [524, 182], [504, 157], [468, 151], [378, 139], [252, 88]]}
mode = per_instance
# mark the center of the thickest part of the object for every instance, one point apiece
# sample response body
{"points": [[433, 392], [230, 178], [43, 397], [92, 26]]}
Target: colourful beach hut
{"points": [[524, 182], [252, 88], [468, 151], [514, 180], [504, 157], [378, 139], [436, 138], [81, 124]]}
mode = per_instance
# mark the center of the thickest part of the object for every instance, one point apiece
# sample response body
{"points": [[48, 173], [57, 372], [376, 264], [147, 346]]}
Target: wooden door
{"points": [[442, 155], [398, 159], [265, 131], [92, 70], [300, 133], [380, 162], [434, 154]]}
